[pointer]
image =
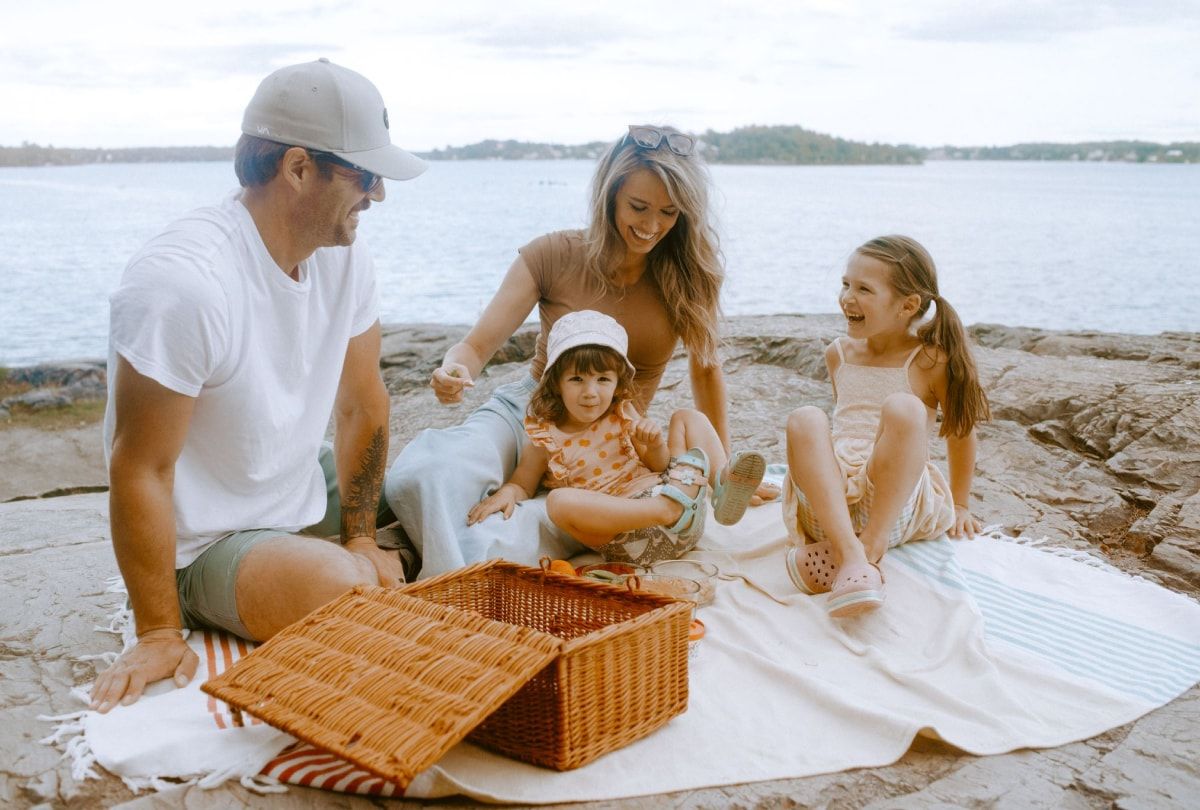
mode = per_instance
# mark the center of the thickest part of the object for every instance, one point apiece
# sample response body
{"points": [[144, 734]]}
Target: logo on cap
{"points": [[385, 119]]}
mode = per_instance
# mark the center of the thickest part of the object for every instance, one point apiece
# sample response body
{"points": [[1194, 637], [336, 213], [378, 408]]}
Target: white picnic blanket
{"points": [[990, 644]]}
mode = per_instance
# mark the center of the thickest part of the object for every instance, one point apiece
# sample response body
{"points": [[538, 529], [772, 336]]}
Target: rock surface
{"points": [[1095, 443], [54, 386]]}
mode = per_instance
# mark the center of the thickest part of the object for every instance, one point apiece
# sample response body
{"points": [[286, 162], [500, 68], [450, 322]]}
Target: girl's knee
{"points": [[903, 409], [807, 421], [558, 504], [688, 418]]}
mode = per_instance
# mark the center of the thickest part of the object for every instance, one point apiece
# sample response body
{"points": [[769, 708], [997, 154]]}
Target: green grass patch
{"points": [[9, 388], [77, 414]]}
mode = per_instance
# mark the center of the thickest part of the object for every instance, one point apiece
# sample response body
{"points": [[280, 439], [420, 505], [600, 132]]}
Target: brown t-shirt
{"points": [[556, 263]]}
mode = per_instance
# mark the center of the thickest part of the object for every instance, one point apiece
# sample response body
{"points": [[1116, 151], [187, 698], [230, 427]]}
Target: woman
{"points": [[649, 258]]}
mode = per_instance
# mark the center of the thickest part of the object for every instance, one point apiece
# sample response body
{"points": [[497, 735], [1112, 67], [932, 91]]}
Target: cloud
{"points": [[541, 37], [1044, 20], [156, 66]]}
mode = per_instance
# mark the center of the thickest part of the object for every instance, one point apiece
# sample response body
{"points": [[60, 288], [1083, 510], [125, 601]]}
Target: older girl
{"points": [[864, 483]]}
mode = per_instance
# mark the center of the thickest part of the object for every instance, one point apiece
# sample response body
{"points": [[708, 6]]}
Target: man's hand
{"points": [[158, 654], [449, 381], [386, 563]]}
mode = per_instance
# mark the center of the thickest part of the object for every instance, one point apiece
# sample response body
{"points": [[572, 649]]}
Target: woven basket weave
{"points": [[551, 669], [384, 680], [621, 674]]}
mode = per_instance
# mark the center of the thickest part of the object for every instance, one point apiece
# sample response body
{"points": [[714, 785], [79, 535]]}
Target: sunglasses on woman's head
{"points": [[367, 181], [651, 137]]}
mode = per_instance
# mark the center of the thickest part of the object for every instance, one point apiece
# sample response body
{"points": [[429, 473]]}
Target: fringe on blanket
{"points": [[68, 733], [1088, 557], [259, 784]]}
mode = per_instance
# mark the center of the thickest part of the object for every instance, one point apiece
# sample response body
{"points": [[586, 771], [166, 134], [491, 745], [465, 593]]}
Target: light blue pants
{"points": [[441, 474]]}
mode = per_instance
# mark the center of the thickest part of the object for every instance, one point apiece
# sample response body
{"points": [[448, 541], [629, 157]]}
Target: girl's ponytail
{"points": [[913, 273], [966, 402]]}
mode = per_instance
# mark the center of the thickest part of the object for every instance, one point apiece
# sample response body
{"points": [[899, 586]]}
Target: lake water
{"points": [[1107, 246]]}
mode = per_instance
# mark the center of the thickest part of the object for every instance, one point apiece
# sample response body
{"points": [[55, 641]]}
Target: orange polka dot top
{"points": [[601, 457]]}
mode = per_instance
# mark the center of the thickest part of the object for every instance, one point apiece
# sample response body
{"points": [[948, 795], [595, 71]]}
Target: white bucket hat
{"points": [[329, 108], [586, 327]]}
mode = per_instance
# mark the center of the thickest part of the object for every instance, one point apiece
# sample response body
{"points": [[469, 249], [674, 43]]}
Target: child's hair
{"points": [[545, 404], [913, 273]]}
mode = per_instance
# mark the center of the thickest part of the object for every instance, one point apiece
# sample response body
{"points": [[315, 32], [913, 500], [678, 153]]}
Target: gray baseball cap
{"points": [[323, 106]]}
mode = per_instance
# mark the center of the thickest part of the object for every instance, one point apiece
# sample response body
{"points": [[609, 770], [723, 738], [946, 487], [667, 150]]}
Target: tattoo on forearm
{"points": [[361, 499]]}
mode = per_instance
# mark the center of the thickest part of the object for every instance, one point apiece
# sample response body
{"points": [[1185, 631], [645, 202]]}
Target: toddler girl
{"points": [[617, 483], [864, 483]]}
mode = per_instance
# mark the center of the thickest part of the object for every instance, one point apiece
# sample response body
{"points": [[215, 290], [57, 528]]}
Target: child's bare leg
{"points": [[895, 467], [814, 468], [594, 518], [690, 428]]}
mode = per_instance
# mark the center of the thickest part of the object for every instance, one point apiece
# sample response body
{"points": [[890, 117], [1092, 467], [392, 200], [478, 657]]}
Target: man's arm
{"points": [[151, 426], [360, 451]]}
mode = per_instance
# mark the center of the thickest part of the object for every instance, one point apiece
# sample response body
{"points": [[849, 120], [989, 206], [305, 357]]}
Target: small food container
{"points": [[696, 632], [612, 572], [668, 585], [704, 573]]}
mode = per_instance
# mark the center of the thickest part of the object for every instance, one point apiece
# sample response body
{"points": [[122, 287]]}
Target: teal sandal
{"points": [[690, 525], [737, 481]]}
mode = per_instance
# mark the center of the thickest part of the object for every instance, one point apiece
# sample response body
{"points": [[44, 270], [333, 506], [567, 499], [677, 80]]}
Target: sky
{"points": [[925, 72]]}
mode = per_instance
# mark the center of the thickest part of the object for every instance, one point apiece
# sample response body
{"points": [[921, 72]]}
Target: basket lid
{"points": [[386, 681]]}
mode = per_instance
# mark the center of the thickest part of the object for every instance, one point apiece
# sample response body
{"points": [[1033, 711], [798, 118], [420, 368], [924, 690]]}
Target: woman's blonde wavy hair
{"points": [[687, 263], [913, 273]]}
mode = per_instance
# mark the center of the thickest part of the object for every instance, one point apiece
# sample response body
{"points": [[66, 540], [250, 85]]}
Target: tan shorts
{"points": [[928, 513]]}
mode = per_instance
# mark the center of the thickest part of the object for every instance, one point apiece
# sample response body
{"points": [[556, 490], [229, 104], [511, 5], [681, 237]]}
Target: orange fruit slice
{"points": [[562, 567]]}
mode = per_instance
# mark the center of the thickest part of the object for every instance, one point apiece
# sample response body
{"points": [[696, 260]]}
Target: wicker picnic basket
{"points": [[547, 668]]}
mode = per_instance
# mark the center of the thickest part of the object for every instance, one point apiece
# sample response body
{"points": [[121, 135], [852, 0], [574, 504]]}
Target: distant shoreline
{"points": [[769, 146]]}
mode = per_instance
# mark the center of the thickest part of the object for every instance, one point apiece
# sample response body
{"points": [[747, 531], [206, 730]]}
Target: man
{"points": [[234, 335]]}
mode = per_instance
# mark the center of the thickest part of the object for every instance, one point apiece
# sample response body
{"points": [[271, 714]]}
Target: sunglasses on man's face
{"points": [[367, 181], [652, 137]]}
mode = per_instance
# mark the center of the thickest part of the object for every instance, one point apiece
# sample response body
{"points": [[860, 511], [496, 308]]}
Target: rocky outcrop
{"points": [[1095, 443], [53, 385]]}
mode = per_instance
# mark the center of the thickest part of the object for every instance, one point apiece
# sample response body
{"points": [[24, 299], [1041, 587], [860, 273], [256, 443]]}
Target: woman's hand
{"points": [[964, 523], [450, 381], [502, 500]]}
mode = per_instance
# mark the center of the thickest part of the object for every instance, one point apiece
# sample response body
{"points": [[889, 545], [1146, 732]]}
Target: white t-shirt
{"points": [[204, 310]]}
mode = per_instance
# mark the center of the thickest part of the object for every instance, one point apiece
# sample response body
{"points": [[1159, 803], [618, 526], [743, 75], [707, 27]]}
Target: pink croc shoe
{"points": [[857, 589], [811, 567]]}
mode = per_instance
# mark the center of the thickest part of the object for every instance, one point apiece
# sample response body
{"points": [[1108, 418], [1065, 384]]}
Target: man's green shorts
{"points": [[207, 596]]}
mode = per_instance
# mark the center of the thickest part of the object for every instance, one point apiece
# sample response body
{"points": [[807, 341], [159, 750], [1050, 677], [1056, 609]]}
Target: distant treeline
{"points": [[764, 145], [798, 145], [517, 150], [30, 154], [743, 145], [1125, 151]]}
